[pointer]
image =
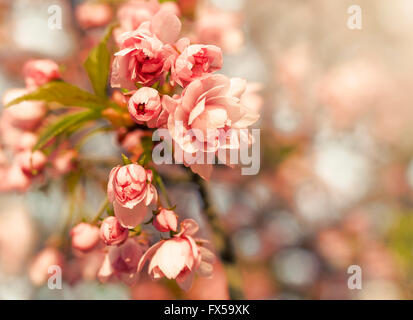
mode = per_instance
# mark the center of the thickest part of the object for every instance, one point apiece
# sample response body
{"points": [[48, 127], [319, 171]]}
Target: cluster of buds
{"points": [[20, 164], [161, 79]]}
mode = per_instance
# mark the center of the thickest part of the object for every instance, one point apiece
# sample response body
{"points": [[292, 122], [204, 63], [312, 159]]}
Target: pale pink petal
{"points": [[166, 26], [203, 170], [185, 280], [171, 257], [111, 194], [189, 227], [105, 271], [206, 255], [149, 254], [205, 269], [130, 218], [237, 88], [199, 108]]}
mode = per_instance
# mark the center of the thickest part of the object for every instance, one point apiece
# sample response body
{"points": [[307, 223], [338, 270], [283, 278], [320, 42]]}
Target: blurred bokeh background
{"points": [[336, 182]]}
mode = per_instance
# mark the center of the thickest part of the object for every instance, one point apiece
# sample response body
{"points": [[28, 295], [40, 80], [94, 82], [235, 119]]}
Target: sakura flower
{"points": [[195, 61], [121, 262], [84, 237], [146, 54], [178, 258], [145, 106], [208, 116], [131, 191], [112, 233], [40, 72], [166, 220]]}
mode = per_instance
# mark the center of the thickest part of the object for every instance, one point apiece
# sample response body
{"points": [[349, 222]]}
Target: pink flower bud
{"points": [[91, 15], [145, 105], [84, 236], [112, 233], [165, 220], [40, 72], [25, 115], [131, 191], [31, 163]]}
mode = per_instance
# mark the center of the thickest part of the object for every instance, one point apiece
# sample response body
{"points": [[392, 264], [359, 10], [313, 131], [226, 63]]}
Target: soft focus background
{"points": [[336, 182]]}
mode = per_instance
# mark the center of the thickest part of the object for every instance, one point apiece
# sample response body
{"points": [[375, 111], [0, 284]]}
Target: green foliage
{"points": [[126, 160], [63, 124], [97, 65], [63, 93], [400, 239]]}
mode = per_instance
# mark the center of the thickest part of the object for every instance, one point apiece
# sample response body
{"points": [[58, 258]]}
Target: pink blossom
{"points": [[166, 220], [112, 233], [91, 15], [221, 29], [145, 54], [211, 105], [145, 106], [122, 261], [195, 61], [131, 191], [178, 258], [40, 72], [25, 115], [39, 267], [133, 13], [30, 162], [84, 237]]}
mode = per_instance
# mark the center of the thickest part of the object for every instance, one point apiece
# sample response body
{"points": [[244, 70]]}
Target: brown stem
{"points": [[222, 241]]}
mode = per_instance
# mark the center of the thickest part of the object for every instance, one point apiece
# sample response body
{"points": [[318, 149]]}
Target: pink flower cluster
{"points": [[153, 59], [125, 255], [19, 127], [162, 79]]}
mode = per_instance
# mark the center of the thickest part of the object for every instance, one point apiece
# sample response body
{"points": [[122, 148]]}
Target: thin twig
{"points": [[100, 211], [161, 185]]}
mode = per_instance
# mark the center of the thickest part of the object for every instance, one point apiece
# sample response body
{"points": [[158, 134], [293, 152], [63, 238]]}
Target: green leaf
{"points": [[63, 124], [63, 93], [97, 65]]}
